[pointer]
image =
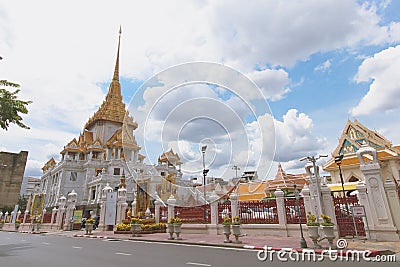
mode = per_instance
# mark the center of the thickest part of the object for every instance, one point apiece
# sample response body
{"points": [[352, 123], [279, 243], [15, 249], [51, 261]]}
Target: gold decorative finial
{"points": [[116, 70]]}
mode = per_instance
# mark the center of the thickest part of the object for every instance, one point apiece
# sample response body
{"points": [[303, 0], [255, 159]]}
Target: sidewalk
{"points": [[247, 241]]}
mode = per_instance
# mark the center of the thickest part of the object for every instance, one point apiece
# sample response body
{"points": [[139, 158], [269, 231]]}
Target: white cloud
{"points": [[272, 82], [59, 52], [294, 137], [384, 90], [323, 67]]}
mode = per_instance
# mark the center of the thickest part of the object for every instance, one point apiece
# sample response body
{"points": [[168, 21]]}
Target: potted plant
{"points": [[136, 226], [17, 224], [177, 227], [226, 225], [312, 227], [236, 229], [327, 227], [89, 226], [170, 228]]}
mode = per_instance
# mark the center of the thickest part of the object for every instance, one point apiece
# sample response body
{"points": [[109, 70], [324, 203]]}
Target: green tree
{"points": [[11, 107]]}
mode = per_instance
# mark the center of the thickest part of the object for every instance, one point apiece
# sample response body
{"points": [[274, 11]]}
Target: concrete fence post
{"points": [[214, 208], [157, 205], [280, 206], [234, 204], [25, 214], [393, 200], [327, 202], [171, 207]]}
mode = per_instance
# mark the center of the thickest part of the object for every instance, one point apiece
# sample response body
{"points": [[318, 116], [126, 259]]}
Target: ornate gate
{"points": [[344, 217]]}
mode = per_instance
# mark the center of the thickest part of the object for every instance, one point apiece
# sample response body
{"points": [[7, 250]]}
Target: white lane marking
{"points": [[125, 254], [188, 245], [45, 243], [198, 264], [23, 240], [77, 247]]}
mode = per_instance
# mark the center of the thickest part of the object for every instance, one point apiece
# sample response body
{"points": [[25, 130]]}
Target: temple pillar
{"points": [[327, 202], [393, 200], [214, 208], [71, 200], [61, 210], [121, 204], [171, 201], [234, 204], [381, 220], [307, 199], [280, 206]]}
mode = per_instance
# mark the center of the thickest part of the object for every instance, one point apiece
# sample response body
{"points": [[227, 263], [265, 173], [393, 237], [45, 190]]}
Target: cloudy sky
{"points": [[316, 63]]}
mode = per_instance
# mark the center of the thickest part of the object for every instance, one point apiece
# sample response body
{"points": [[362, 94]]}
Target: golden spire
{"points": [[116, 69], [112, 109]]}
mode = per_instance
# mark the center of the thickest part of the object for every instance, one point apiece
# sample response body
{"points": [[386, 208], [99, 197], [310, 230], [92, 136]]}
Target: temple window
{"points": [[117, 171], [98, 171], [73, 176]]}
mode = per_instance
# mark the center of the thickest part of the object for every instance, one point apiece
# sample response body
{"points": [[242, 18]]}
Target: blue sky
{"points": [[318, 63]]}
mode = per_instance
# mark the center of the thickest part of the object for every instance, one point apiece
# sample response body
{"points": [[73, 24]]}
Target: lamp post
{"points": [[205, 171], [313, 160], [303, 243], [338, 161], [236, 168]]}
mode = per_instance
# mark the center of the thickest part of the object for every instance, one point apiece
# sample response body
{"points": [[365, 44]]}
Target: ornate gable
{"points": [[96, 145], [49, 164], [123, 137], [354, 135]]}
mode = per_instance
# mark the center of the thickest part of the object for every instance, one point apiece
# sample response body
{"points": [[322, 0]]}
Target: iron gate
{"points": [[344, 217]]}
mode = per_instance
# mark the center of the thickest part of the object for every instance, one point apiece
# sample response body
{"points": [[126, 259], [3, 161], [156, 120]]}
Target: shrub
{"points": [[327, 220], [311, 220], [227, 221], [123, 227], [175, 220], [236, 220], [136, 220]]}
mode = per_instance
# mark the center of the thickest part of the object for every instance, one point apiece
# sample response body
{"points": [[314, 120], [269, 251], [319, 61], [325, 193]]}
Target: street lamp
{"points": [[303, 243], [205, 171], [313, 160], [338, 161], [236, 168]]}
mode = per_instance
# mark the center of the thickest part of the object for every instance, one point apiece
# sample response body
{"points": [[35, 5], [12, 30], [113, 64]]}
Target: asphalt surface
{"points": [[34, 250]]}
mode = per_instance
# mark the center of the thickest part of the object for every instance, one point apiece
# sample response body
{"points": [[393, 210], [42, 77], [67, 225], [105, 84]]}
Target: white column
{"points": [[71, 200], [280, 206], [307, 199], [25, 214], [327, 202], [234, 204], [157, 205], [393, 200], [214, 208], [383, 221], [121, 204], [53, 213], [171, 207], [61, 210]]}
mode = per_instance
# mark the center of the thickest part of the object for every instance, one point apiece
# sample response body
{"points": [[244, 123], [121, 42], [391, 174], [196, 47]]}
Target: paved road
{"points": [[21, 250]]}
